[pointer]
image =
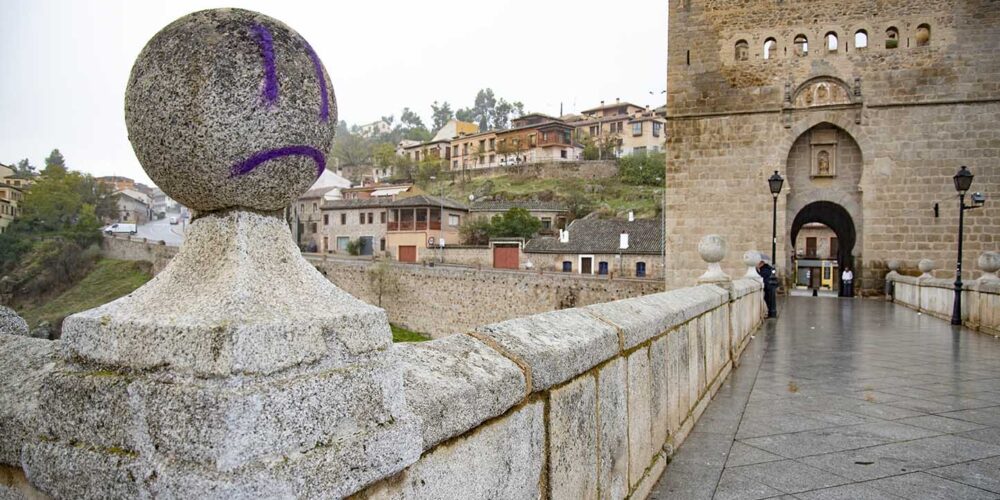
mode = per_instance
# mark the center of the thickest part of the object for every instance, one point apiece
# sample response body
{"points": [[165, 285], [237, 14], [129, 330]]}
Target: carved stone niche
{"points": [[824, 153], [822, 93]]}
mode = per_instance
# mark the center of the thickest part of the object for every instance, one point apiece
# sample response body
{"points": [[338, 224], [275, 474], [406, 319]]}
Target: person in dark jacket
{"points": [[770, 287]]}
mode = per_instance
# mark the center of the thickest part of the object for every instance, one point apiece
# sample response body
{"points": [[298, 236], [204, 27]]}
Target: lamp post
{"points": [[774, 183], [963, 181]]}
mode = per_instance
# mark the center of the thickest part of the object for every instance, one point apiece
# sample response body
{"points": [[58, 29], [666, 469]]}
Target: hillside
{"points": [[610, 197], [108, 280]]}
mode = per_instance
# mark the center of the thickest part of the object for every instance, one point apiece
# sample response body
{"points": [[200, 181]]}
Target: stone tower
{"points": [[867, 108]]}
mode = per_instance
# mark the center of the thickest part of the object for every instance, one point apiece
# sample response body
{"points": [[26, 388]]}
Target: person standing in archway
{"points": [[770, 287], [847, 281]]}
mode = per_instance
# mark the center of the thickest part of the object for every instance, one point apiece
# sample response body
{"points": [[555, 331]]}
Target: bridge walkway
{"points": [[853, 399]]}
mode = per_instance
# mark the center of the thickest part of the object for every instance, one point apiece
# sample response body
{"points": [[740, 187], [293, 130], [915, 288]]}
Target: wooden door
{"points": [[586, 265], [408, 253], [506, 257]]}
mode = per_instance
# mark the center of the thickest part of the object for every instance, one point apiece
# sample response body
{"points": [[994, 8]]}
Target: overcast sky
{"points": [[64, 63]]}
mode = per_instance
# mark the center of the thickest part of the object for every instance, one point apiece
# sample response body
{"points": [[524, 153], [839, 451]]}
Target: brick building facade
{"points": [[866, 108]]}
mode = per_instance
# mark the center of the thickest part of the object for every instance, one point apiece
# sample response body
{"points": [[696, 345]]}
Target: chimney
{"points": [[623, 241], [564, 236], [631, 216], [617, 100]]}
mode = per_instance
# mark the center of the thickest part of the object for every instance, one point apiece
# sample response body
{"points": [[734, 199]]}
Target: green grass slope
{"points": [[108, 280]]}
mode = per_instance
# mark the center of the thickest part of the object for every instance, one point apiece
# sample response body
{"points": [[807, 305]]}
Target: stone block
{"points": [[24, 364], [456, 383], [65, 471], [659, 402], [678, 377], [88, 406], [572, 434], [645, 317], [612, 417], [503, 459], [556, 346], [640, 440]]}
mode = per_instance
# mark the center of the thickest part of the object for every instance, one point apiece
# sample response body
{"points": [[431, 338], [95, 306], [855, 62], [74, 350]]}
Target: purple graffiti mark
{"points": [[246, 166], [266, 44], [324, 110]]}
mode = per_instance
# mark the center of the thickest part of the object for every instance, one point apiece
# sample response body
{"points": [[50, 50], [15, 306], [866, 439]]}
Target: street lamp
{"points": [[963, 181], [774, 183]]}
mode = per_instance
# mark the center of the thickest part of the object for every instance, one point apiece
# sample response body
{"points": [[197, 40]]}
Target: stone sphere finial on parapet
{"points": [[712, 249], [239, 352], [228, 108], [926, 266], [893, 265], [750, 259], [989, 263]]}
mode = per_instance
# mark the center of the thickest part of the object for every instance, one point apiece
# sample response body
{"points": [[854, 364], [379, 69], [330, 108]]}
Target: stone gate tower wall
{"points": [[918, 108]]}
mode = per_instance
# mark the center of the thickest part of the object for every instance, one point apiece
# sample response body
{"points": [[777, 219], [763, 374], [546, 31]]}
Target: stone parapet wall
{"points": [[580, 403], [936, 296], [130, 248], [441, 301]]}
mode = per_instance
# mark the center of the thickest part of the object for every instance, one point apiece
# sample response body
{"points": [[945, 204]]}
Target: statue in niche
{"points": [[821, 93], [823, 163]]}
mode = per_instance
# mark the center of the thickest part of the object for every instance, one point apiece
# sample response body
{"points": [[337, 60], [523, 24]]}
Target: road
{"points": [[162, 230]]}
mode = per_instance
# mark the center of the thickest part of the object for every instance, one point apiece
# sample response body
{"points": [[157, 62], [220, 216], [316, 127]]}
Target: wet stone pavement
{"points": [[852, 399]]}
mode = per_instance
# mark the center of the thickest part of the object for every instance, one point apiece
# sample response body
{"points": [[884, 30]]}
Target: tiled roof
{"points": [[530, 205], [424, 200], [382, 201], [597, 236]]}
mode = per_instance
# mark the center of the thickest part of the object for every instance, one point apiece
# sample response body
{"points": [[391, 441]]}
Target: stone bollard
{"points": [[989, 263], [239, 371], [926, 266], [712, 249], [750, 259]]}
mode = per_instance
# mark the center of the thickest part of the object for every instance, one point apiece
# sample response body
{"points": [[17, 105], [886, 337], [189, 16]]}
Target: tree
{"points": [[504, 111], [55, 158], [384, 154], [441, 114], [642, 169], [410, 119], [383, 280], [515, 223], [475, 231], [24, 169], [351, 149]]}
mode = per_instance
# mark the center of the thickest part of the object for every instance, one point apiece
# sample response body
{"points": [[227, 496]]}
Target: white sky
{"points": [[64, 64]]}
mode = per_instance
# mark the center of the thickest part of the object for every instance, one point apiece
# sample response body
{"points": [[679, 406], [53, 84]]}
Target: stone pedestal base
{"points": [[239, 371]]}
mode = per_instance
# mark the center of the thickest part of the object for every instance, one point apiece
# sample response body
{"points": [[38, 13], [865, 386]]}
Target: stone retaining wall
{"points": [[580, 403], [936, 296], [439, 300], [592, 169]]}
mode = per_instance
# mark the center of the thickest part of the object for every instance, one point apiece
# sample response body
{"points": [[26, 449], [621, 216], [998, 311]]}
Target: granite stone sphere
{"points": [[989, 262], [893, 265], [712, 248], [229, 108], [751, 258], [925, 265]]}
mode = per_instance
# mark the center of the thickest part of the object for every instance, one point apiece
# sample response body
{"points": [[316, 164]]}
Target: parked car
{"points": [[173, 221], [120, 228]]}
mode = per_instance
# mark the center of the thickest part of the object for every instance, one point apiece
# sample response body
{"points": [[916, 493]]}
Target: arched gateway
{"points": [[824, 169]]}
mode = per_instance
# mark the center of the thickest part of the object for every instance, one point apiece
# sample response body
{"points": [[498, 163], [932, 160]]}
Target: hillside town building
{"points": [[623, 127], [602, 247], [867, 109], [133, 206], [552, 215], [11, 196], [419, 225]]}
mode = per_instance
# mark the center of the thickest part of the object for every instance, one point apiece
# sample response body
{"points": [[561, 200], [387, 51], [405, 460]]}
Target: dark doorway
{"points": [[367, 245], [837, 219]]}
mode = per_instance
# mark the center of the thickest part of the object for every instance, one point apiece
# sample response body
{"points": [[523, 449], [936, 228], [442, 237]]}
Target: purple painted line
{"points": [[246, 166], [324, 110], [266, 44]]}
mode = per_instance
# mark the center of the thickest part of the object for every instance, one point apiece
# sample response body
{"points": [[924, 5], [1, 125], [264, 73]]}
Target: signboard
{"points": [[430, 242]]}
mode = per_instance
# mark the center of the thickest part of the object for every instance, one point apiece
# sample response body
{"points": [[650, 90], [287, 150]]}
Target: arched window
{"points": [[742, 50], [801, 45], [891, 38], [860, 39], [770, 47], [640, 269], [923, 35], [602, 268], [832, 42], [567, 266]]}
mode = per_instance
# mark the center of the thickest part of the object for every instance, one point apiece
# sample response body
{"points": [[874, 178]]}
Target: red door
{"points": [[506, 257], [408, 253]]}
